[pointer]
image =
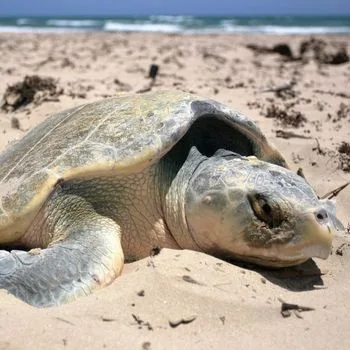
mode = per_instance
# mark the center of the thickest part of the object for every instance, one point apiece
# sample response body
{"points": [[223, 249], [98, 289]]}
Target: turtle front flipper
{"points": [[86, 255]]}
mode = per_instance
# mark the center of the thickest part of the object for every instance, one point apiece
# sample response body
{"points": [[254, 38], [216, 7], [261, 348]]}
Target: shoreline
{"points": [[63, 31], [205, 24]]}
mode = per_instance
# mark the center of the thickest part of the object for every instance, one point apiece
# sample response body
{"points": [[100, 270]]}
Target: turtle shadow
{"points": [[304, 277]]}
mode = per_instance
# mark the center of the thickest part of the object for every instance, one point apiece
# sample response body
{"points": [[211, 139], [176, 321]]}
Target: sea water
{"points": [[182, 24]]}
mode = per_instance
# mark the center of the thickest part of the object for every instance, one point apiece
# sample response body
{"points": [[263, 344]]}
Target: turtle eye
{"points": [[263, 210]]}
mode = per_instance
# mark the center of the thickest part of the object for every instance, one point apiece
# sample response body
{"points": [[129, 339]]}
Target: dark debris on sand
{"points": [[311, 49], [344, 156], [286, 309], [323, 52], [141, 323], [185, 320], [343, 113], [281, 49], [284, 116], [32, 89]]}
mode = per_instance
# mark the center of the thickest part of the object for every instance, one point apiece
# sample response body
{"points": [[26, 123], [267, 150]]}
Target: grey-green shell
{"points": [[120, 134]]}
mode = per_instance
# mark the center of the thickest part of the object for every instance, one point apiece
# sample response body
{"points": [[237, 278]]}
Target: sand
{"points": [[184, 299]]}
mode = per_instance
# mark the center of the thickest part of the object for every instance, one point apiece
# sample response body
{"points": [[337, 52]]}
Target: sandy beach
{"points": [[296, 88]]}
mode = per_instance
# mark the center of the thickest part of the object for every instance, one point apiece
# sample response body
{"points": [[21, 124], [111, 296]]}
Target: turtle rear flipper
{"points": [[89, 258]]}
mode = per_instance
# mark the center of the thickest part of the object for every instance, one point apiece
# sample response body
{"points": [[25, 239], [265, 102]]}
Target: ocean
{"points": [[182, 24]]}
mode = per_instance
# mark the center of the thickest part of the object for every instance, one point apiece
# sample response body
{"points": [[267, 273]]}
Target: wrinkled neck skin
{"points": [[174, 180]]}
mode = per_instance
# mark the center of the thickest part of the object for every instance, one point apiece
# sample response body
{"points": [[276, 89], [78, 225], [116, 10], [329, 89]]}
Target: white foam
{"points": [[173, 19], [23, 21], [270, 29], [26, 29], [72, 23], [165, 24], [141, 27]]}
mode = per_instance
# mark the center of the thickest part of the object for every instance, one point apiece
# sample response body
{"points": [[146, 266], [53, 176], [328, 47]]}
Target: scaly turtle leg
{"points": [[85, 254]]}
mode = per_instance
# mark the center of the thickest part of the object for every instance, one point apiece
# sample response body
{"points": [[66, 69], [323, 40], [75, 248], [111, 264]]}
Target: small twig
{"points": [[290, 134], [64, 320], [286, 308], [318, 148], [189, 279], [334, 193], [186, 320], [341, 248], [142, 323], [108, 319], [332, 93], [279, 88]]}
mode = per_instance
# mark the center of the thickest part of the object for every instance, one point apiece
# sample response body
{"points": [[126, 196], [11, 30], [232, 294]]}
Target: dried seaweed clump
{"points": [[319, 50], [285, 117], [344, 156], [26, 91], [342, 113], [323, 52], [282, 49]]}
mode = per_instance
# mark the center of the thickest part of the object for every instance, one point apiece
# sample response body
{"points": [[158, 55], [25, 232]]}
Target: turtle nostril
{"points": [[321, 215]]}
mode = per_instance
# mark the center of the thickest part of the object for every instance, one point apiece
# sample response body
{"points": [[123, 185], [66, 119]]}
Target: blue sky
{"points": [[176, 7]]}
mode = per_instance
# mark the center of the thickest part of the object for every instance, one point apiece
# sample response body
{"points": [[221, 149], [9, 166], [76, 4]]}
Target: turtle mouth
{"points": [[309, 235], [312, 239], [278, 257], [272, 262]]}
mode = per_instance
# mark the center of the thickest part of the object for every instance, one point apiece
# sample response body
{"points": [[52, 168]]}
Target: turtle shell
{"points": [[122, 134]]}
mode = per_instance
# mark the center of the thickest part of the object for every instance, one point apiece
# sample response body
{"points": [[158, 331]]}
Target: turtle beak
{"points": [[315, 230]]}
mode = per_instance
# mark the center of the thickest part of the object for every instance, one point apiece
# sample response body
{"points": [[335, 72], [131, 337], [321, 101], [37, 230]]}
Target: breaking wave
{"points": [[181, 24]]}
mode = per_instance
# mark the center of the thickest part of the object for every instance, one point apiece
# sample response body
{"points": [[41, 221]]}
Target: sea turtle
{"points": [[125, 175]]}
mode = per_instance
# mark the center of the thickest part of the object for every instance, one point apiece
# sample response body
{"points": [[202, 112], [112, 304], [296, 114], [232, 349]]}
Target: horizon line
{"points": [[179, 15]]}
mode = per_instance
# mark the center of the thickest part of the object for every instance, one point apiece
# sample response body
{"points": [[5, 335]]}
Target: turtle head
{"points": [[243, 208]]}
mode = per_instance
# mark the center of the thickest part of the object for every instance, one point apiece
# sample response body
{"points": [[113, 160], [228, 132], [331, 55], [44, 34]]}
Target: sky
{"points": [[173, 7]]}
